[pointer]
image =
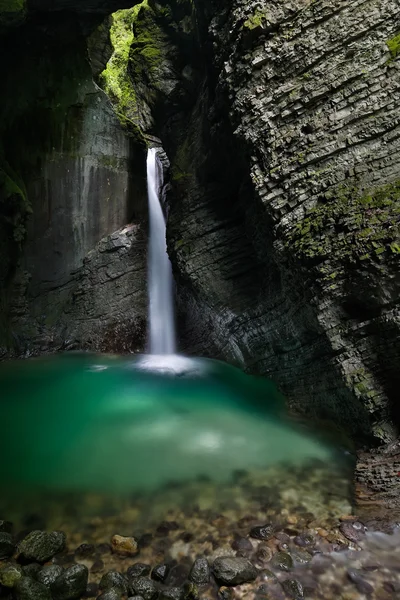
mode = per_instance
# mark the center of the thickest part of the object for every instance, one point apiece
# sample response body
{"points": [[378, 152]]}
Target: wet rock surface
{"points": [[233, 571], [41, 546]]}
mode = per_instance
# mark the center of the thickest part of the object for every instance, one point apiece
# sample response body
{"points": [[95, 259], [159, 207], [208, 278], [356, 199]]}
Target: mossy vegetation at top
{"points": [[394, 46], [351, 227], [136, 52], [12, 12]]}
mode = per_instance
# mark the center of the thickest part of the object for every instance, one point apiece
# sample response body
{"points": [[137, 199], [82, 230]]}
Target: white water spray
{"points": [[161, 309]]}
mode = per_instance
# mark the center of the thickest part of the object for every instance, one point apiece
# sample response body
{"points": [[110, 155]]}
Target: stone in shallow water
{"points": [[143, 587], [49, 574], [160, 572], [28, 589], [85, 550], [138, 570], [231, 570], [71, 584], [173, 593], [293, 588], [242, 544], [115, 580], [10, 574], [200, 571], [111, 594], [262, 532], [6, 545], [283, 561], [40, 546], [353, 531], [124, 546], [362, 586]]}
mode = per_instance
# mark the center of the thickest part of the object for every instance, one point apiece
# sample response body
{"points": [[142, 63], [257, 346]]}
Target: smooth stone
{"points": [[124, 546], [49, 574], [138, 570], [354, 532], [10, 574], [304, 540], [282, 561], [302, 557], [190, 591], [143, 587], [262, 532], [200, 571], [111, 594], [264, 553], [71, 584], [92, 590], [135, 598], [242, 544], [231, 570], [173, 593], [7, 546], [293, 588], [115, 580], [85, 550], [32, 570], [29, 589], [97, 566], [362, 586], [40, 546], [160, 572]]}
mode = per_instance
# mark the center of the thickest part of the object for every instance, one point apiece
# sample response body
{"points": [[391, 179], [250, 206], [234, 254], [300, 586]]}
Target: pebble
{"points": [[262, 532], [6, 545], [362, 586], [85, 550], [97, 566], [304, 540], [115, 580], [138, 570], [40, 546], [143, 587], [231, 570], [200, 571], [242, 544], [29, 589], [293, 588], [352, 531], [32, 570], [282, 561], [173, 593], [160, 572], [92, 590], [111, 594], [49, 574], [124, 546], [264, 553], [71, 584], [10, 574]]}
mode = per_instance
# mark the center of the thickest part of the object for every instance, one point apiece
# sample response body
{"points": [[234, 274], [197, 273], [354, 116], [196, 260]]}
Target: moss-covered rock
{"points": [[394, 45]]}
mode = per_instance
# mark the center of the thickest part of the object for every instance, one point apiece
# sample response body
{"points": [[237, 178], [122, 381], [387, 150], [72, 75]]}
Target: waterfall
{"points": [[160, 287]]}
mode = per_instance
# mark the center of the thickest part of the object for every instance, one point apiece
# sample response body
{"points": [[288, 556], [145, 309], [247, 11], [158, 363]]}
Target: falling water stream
{"points": [[161, 311]]}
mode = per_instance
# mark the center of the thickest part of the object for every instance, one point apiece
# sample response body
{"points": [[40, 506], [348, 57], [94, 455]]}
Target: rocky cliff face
{"points": [[281, 123], [68, 166]]}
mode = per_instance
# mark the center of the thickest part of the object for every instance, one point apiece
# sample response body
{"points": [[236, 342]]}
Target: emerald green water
{"points": [[96, 423]]}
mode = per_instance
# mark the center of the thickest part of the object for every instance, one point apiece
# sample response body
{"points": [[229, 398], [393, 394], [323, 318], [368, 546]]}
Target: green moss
{"points": [[12, 12], [256, 20], [394, 46], [350, 227], [136, 55]]}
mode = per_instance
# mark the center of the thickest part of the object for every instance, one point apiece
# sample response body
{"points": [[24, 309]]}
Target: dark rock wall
{"points": [[83, 180]]}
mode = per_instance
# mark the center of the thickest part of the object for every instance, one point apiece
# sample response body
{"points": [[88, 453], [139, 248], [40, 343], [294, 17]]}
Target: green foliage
{"points": [[394, 46], [350, 226], [255, 20]]}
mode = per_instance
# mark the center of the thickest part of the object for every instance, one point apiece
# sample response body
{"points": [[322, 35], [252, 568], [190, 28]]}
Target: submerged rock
{"points": [[293, 588], [173, 593], [200, 571], [71, 584], [231, 570], [41, 546], [29, 589], [6, 545], [49, 574], [114, 580], [124, 546], [111, 594], [138, 570], [262, 532], [160, 572], [143, 587], [10, 575], [283, 561]]}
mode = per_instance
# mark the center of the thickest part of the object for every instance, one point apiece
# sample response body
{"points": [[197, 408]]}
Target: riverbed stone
{"points": [[160, 572], [49, 574], [138, 570], [124, 546], [29, 589], [282, 561], [200, 571], [40, 546], [142, 586], [71, 584], [230, 570], [10, 574], [262, 532], [114, 580], [6, 545]]}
